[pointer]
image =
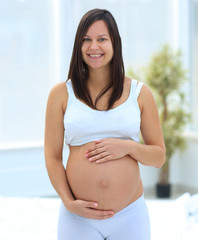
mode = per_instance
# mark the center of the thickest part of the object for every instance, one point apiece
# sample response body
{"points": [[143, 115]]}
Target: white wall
{"points": [[23, 173], [189, 164]]}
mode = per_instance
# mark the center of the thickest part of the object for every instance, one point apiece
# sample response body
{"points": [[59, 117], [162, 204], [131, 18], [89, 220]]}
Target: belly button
{"points": [[104, 182]]}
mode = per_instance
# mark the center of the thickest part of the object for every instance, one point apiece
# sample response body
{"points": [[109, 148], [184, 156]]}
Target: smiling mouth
{"points": [[95, 55]]}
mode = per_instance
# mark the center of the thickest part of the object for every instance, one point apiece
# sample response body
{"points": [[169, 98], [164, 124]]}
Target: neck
{"points": [[99, 78]]}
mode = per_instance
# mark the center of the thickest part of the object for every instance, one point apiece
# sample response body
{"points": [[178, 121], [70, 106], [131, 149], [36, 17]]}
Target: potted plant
{"points": [[165, 76]]}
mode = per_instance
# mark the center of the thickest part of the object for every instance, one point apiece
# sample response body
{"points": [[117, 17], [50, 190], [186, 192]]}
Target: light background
{"points": [[36, 40]]}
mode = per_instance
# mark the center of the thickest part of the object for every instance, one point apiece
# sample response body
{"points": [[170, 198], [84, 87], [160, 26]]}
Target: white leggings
{"points": [[131, 223]]}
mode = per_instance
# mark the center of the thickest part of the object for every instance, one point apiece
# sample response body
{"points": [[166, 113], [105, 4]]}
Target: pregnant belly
{"points": [[113, 184]]}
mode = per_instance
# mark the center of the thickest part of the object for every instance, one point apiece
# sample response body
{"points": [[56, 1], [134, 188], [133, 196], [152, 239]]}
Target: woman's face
{"points": [[97, 49]]}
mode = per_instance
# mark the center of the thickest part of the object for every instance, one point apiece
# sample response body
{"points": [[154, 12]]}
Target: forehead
{"points": [[97, 28]]}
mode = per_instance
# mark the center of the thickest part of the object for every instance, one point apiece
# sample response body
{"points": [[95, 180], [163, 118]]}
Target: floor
{"points": [[36, 218], [152, 195]]}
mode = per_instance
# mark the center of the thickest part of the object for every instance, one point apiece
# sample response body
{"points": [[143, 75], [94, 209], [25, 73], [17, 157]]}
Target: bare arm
{"points": [[54, 137], [152, 152]]}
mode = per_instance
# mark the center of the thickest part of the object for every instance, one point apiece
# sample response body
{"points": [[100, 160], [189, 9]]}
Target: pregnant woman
{"points": [[100, 113]]}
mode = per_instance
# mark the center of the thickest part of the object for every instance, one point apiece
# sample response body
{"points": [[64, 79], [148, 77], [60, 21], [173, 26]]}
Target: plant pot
{"points": [[163, 190]]}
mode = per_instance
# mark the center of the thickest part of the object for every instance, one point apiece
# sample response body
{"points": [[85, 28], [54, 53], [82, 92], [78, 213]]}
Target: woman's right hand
{"points": [[89, 210]]}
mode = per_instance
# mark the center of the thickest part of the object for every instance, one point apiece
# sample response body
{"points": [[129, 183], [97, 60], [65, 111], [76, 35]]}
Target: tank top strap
{"points": [[135, 88], [70, 90]]}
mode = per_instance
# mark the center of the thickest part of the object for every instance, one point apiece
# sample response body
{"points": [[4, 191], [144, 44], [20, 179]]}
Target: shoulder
{"points": [[58, 95], [134, 83], [143, 93], [146, 99], [59, 88]]}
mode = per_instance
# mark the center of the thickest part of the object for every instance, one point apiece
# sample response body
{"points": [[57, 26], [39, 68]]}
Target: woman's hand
{"points": [[89, 210], [106, 150]]}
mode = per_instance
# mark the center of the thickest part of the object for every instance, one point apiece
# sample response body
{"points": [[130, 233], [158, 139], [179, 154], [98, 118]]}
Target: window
{"points": [[194, 61], [28, 69]]}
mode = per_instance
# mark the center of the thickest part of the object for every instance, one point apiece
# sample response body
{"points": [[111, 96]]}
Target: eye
{"points": [[102, 39], [86, 39]]}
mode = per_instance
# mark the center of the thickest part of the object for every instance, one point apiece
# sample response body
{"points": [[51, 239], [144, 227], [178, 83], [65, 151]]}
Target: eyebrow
{"points": [[101, 35]]}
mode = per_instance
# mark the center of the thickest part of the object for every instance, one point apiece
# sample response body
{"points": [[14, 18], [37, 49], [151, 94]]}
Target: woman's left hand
{"points": [[106, 150]]}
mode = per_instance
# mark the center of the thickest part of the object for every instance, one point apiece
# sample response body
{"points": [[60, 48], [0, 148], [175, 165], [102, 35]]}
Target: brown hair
{"points": [[78, 71]]}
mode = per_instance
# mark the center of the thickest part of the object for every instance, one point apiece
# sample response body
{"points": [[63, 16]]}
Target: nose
{"points": [[94, 45]]}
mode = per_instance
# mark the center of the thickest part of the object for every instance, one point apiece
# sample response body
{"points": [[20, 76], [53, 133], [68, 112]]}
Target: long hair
{"points": [[78, 71]]}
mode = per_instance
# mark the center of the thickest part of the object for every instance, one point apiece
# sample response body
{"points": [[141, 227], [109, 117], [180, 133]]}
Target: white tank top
{"points": [[83, 124]]}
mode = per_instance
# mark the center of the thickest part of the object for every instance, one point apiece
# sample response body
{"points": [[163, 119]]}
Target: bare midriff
{"points": [[113, 185]]}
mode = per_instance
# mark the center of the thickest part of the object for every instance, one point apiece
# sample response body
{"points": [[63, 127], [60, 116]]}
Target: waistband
{"points": [[133, 206]]}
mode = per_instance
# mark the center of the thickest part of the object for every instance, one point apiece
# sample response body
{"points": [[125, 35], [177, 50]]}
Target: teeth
{"points": [[95, 55]]}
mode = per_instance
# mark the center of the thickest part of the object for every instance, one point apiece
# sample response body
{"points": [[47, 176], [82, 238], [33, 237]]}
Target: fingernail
{"points": [[86, 155], [95, 204], [90, 159]]}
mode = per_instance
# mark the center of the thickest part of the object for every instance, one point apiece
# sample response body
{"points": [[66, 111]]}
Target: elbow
{"points": [[51, 162], [161, 159], [48, 164], [47, 161], [160, 163]]}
